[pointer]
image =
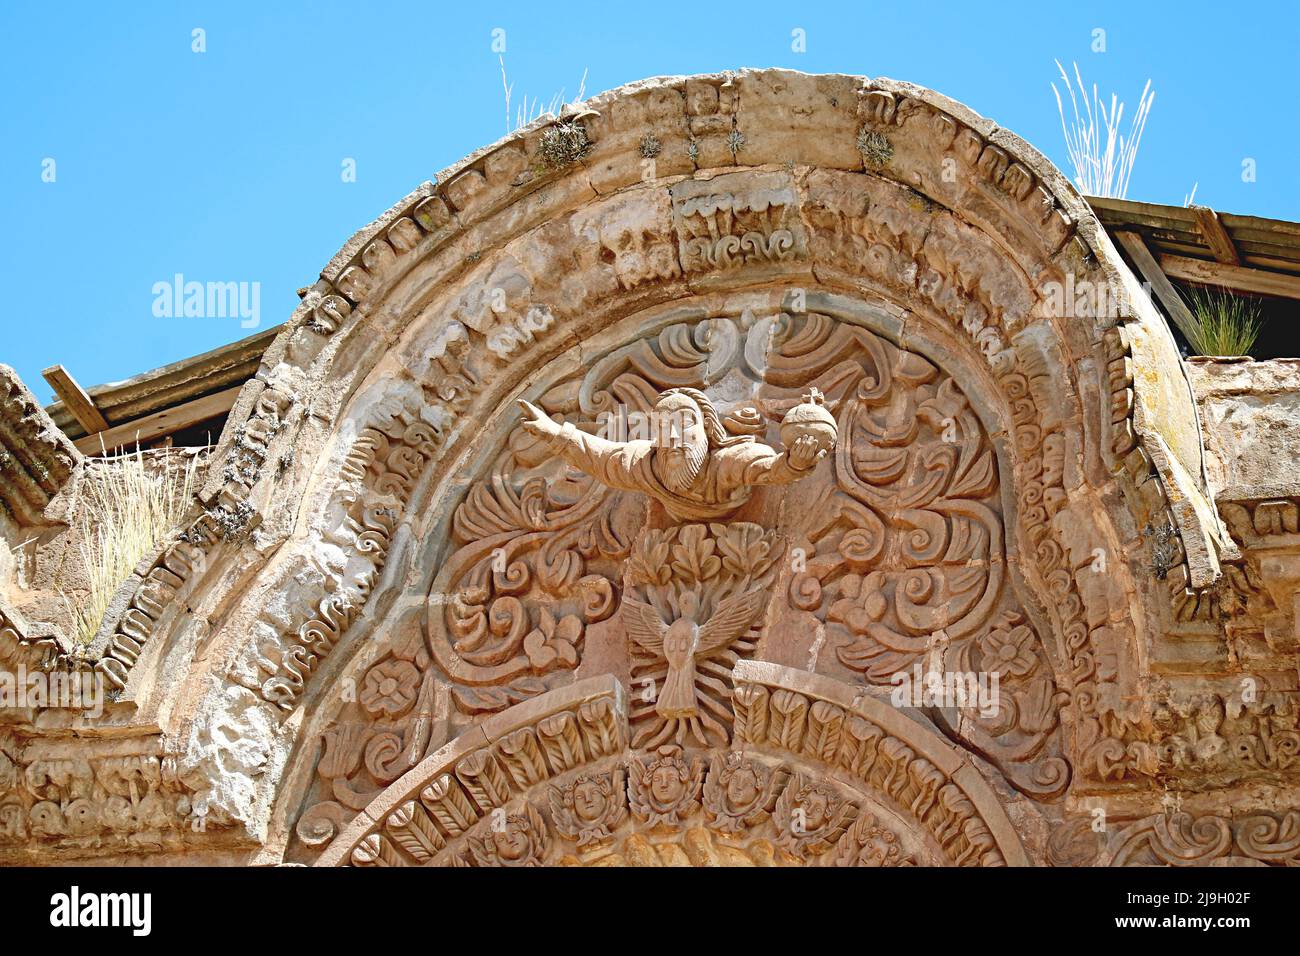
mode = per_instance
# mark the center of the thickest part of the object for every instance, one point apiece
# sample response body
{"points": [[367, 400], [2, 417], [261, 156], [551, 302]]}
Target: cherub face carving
{"points": [[811, 817], [516, 839], [663, 787], [512, 840], [742, 788], [666, 785], [589, 808], [740, 792], [867, 843], [590, 800]]}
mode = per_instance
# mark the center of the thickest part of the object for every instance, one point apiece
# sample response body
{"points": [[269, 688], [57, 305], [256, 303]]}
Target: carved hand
{"points": [[537, 422], [805, 453]]}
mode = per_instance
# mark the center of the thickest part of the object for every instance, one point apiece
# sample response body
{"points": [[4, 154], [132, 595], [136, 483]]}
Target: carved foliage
{"points": [[704, 586], [534, 567], [1184, 839], [782, 720]]}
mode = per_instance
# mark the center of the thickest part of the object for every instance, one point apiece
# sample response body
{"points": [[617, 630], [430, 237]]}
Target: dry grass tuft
{"points": [[875, 148], [127, 509], [1102, 157], [530, 110], [563, 144], [1223, 323]]}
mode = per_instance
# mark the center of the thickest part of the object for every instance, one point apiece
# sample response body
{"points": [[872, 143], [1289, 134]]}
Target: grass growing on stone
{"points": [[1223, 323], [563, 144], [534, 108], [1101, 154], [875, 148], [128, 506]]}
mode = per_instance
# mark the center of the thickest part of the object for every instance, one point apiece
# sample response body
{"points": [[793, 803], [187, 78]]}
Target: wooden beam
{"points": [[1216, 237], [75, 399], [1164, 290], [1232, 278], [159, 424]]}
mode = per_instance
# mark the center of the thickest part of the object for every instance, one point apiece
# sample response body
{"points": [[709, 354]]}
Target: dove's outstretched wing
{"points": [[730, 620], [644, 625]]}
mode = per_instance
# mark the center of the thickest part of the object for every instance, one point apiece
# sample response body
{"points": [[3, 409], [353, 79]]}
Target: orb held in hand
{"points": [[812, 418]]}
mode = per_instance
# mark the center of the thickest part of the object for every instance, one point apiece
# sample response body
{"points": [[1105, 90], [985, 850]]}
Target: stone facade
{"points": [[1025, 593]]}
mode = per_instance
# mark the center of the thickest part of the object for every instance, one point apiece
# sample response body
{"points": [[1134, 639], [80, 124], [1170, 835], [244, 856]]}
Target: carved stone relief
{"points": [[764, 799], [814, 414], [892, 548]]}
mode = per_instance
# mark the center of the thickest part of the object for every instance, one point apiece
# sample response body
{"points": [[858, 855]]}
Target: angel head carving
{"points": [[867, 843], [514, 839], [740, 792], [811, 817], [589, 808], [692, 465], [663, 788]]}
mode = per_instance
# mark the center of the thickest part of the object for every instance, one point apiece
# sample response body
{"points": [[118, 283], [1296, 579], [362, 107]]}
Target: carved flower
{"points": [[390, 687], [862, 601], [1010, 651], [551, 642]]}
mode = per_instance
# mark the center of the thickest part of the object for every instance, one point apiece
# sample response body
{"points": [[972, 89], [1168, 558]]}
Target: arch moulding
{"points": [[411, 621]]}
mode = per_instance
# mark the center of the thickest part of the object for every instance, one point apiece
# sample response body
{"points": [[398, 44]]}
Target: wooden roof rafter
{"points": [[1243, 254]]}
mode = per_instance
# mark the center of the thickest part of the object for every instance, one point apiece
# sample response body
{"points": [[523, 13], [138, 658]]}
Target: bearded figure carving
{"points": [[693, 466]]}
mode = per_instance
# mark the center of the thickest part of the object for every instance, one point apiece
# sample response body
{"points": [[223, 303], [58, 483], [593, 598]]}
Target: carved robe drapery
{"points": [[723, 486]]}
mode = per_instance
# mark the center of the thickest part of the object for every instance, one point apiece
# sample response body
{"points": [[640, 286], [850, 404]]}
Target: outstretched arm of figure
{"points": [[788, 466], [598, 457]]}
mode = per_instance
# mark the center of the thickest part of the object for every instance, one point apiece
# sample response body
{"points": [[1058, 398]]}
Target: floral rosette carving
{"points": [[384, 732], [1012, 722]]}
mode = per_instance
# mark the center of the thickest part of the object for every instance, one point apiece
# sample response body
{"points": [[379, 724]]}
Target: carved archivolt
{"points": [[814, 776], [894, 549], [378, 474], [392, 562]]}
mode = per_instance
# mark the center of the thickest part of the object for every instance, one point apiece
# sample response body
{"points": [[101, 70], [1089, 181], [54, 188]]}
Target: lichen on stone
{"points": [[234, 524]]}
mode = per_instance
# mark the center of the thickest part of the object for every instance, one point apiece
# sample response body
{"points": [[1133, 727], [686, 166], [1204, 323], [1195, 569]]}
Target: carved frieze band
{"points": [[824, 785], [128, 794]]}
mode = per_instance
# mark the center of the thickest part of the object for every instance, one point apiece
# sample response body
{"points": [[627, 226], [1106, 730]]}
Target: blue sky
{"points": [[226, 165]]}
